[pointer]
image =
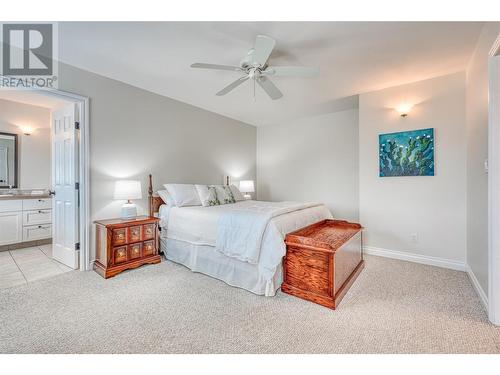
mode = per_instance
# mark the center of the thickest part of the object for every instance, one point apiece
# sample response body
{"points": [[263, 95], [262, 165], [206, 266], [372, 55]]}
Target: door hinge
{"points": [[77, 246], [77, 186], [77, 125]]}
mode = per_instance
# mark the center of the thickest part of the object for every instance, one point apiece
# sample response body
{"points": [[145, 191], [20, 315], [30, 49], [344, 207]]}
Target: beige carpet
{"points": [[394, 307]]}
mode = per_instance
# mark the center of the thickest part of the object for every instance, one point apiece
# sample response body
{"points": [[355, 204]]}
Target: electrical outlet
{"points": [[414, 237]]}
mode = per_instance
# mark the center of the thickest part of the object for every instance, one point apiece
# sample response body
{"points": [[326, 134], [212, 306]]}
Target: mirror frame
{"points": [[16, 161]]}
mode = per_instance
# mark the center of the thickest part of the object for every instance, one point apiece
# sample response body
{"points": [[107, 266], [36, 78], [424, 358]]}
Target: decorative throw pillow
{"points": [[183, 194], [207, 195], [238, 196], [224, 194], [165, 196]]}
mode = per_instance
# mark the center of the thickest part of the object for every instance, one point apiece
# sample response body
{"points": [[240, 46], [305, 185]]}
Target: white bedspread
{"points": [[198, 225], [240, 232]]}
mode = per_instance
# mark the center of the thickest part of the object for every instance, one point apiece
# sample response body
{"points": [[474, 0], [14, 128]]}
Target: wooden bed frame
{"points": [[154, 201]]}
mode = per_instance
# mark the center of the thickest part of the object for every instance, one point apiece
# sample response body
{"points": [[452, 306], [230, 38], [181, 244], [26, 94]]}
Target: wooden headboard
{"points": [[154, 201]]}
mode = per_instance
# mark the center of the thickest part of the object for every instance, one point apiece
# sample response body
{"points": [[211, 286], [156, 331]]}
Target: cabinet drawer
{"points": [[11, 205], [120, 254], [37, 204], [148, 231], [134, 234], [135, 251], [148, 248], [37, 232], [37, 217], [119, 236]]}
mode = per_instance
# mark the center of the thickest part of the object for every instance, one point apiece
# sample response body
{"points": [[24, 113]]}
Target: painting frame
{"points": [[408, 153]]}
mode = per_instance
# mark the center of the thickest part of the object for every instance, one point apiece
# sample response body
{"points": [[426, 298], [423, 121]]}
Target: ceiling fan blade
{"points": [[232, 86], [269, 87], [215, 66], [264, 45], [291, 71]]}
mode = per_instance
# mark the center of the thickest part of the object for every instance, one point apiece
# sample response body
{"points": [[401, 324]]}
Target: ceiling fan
{"points": [[254, 66]]}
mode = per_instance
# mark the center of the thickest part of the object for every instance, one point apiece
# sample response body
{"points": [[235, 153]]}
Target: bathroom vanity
{"points": [[25, 220]]}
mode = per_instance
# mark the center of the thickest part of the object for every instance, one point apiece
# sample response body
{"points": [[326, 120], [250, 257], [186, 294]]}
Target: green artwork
{"points": [[409, 153]]}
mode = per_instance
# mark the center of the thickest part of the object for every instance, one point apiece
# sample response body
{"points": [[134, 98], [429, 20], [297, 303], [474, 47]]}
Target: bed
{"points": [[240, 243]]}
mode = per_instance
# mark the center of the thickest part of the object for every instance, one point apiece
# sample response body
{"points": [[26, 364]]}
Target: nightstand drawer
{"points": [[134, 234], [135, 251], [148, 231], [148, 248], [120, 254], [119, 236]]}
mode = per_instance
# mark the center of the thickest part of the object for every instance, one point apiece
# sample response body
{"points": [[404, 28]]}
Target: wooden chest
{"points": [[125, 243], [322, 261]]}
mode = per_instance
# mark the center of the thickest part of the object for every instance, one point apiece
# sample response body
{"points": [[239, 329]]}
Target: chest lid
{"points": [[326, 235]]}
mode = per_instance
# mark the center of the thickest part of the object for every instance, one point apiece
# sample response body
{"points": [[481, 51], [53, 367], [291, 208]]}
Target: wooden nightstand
{"points": [[122, 244]]}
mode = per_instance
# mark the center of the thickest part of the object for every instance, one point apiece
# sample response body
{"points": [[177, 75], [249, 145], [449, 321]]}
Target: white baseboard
{"points": [[417, 258], [479, 290]]}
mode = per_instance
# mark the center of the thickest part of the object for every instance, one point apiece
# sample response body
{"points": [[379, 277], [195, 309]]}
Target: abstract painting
{"points": [[409, 153]]}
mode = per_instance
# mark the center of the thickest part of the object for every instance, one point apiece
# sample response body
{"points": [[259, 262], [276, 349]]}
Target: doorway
{"points": [[56, 231]]}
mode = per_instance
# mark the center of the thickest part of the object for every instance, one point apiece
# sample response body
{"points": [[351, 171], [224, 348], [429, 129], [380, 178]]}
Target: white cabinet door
{"points": [[64, 172], [11, 227]]}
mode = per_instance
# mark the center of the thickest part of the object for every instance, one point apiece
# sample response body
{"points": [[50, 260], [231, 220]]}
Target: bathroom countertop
{"points": [[8, 197]]}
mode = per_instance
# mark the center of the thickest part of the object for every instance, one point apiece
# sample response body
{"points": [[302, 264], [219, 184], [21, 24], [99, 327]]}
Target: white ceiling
{"points": [[32, 98], [354, 57]]}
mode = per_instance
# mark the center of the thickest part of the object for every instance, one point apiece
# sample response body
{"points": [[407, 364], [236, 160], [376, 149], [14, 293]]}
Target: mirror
{"points": [[8, 160]]}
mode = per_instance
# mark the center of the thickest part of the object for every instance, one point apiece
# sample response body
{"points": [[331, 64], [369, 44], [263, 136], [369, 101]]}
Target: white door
{"points": [[64, 185]]}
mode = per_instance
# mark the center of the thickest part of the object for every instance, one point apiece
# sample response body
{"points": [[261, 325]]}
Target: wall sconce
{"points": [[27, 130], [403, 109]]}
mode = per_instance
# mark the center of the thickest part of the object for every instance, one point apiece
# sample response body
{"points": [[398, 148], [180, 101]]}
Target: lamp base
{"points": [[129, 210]]}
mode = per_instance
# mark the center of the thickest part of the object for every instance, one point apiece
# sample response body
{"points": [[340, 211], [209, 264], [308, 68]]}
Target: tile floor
{"points": [[26, 265]]}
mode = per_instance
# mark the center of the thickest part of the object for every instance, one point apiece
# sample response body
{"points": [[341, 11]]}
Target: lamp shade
{"points": [[246, 186], [127, 189]]}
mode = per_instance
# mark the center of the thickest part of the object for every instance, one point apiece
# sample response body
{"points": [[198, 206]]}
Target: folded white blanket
{"points": [[240, 232]]}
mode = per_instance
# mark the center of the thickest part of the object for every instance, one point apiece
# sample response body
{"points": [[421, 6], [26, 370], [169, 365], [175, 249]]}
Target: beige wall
{"points": [[34, 150], [394, 208], [311, 159], [135, 132], [477, 153]]}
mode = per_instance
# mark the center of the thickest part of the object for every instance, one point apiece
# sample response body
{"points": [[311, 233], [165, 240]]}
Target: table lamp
{"points": [[128, 190], [246, 186]]}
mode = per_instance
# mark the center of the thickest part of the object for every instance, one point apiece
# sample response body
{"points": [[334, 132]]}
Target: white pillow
{"points": [[224, 194], [165, 196], [238, 197], [208, 195], [183, 194]]}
